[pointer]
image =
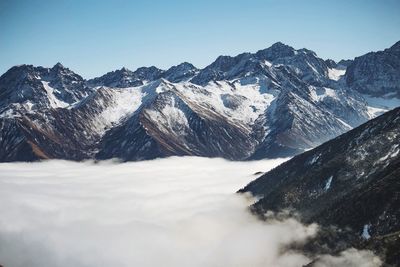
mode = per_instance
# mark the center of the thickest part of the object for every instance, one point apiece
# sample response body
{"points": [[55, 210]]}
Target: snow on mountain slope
{"points": [[72, 132], [276, 102], [177, 122], [170, 115], [53, 100], [241, 104], [40, 88], [295, 124], [116, 104], [335, 74]]}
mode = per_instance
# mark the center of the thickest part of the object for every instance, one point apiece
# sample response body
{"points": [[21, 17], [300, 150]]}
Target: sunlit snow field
{"points": [[167, 212]]}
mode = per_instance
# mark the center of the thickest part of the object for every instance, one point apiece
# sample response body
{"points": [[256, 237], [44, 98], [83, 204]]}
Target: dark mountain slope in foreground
{"points": [[351, 182]]}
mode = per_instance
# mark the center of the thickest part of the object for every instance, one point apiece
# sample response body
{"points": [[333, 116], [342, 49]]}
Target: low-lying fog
{"points": [[168, 212]]}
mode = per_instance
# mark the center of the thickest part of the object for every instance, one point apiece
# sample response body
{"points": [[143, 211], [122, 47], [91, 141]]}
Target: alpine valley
{"points": [[276, 102]]}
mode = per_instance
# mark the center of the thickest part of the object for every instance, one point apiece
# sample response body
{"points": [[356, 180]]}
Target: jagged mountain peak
{"points": [[223, 63], [181, 72], [28, 88], [41, 72], [187, 64], [279, 46], [125, 70], [331, 63], [345, 62], [58, 65], [148, 73], [260, 65], [21, 69], [307, 52], [150, 69], [183, 66], [275, 51], [376, 73], [61, 71], [118, 78]]}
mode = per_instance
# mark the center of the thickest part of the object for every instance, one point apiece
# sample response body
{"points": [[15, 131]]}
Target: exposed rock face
{"points": [[181, 72], [39, 87], [276, 102], [376, 73], [126, 78], [351, 182]]}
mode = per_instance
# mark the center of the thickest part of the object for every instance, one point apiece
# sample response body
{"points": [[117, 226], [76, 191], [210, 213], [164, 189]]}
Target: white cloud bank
{"points": [[168, 212]]}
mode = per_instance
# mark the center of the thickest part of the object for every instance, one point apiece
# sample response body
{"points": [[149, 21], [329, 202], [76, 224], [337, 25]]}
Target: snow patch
{"points": [[125, 102], [328, 183], [312, 67], [335, 74], [393, 152], [9, 113], [320, 93], [53, 100], [267, 63], [314, 159], [170, 118], [28, 105], [345, 124], [251, 106], [365, 233]]}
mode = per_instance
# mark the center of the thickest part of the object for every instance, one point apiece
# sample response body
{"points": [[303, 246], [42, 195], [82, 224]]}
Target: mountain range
{"points": [[349, 185], [279, 101]]}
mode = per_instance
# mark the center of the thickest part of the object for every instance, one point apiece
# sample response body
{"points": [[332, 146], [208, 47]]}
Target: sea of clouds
{"points": [[179, 211]]}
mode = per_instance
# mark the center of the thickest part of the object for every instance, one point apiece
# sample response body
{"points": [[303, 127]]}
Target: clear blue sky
{"points": [[93, 37]]}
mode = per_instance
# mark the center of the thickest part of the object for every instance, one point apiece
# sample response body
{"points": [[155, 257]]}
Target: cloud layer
{"points": [[167, 212]]}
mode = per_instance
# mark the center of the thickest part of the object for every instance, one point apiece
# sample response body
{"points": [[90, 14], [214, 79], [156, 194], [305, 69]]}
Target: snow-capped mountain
{"points": [[124, 78], [276, 102], [350, 182], [38, 88]]}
